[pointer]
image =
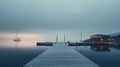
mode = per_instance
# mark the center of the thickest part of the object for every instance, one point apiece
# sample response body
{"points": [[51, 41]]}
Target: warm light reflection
{"points": [[6, 36], [27, 40]]}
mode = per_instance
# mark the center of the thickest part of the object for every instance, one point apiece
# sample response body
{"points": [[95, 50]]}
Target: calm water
{"points": [[18, 54], [102, 55]]}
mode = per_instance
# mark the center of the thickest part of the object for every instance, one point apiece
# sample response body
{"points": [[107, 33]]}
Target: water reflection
{"points": [[116, 46], [100, 47], [17, 45]]}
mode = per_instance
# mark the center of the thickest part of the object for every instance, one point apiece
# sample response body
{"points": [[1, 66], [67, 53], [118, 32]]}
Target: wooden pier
{"points": [[61, 55]]}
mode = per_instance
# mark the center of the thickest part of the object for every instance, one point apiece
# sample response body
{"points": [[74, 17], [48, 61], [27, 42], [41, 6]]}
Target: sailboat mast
{"points": [[17, 39], [64, 38], [57, 38], [81, 36], [17, 33]]}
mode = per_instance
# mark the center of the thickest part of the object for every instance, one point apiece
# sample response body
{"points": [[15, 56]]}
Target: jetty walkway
{"points": [[61, 55]]}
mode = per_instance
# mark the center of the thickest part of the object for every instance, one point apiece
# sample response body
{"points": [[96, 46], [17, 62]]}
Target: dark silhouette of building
{"points": [[116, 39], [101, 38]]}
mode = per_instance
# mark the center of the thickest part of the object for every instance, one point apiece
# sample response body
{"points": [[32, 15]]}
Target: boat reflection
{"points": [[100, 47], [17, 45]]}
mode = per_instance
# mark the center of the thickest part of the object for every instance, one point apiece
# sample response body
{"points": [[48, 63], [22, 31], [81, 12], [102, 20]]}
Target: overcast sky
{"points": [[69, 17]]}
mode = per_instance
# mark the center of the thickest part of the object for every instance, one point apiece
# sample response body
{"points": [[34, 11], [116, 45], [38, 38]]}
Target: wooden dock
{"points": [[61, 55]]}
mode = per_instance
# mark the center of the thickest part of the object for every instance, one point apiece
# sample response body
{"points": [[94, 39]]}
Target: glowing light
{"points": [[101, 39], [6, 39], [109, 39]]}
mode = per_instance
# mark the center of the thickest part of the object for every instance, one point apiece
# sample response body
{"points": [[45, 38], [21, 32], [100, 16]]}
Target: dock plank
{"points": [[61, 55]]}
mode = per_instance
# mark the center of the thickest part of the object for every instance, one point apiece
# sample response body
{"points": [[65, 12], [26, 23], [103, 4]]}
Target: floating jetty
{"points": [[87, 44], [61, 55], [44, 44]]}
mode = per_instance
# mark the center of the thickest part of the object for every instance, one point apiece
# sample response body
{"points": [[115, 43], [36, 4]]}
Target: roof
{"points": [[101, 35]]}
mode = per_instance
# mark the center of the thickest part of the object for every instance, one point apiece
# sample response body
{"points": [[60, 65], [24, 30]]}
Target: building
{"points": [[101, 38], [116, 39]]}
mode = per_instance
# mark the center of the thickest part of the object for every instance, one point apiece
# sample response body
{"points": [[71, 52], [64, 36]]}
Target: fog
{"points": [[51, 17]]}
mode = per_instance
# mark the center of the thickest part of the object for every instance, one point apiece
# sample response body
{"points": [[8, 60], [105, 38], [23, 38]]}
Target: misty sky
{"points": [[51, 17]]}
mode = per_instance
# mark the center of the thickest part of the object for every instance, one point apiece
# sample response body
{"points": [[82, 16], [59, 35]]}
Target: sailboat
{"points": [[17, 39]]}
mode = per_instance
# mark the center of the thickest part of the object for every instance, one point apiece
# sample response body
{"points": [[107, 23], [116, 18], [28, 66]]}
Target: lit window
{"points": [[109, 39], [101, 39]]}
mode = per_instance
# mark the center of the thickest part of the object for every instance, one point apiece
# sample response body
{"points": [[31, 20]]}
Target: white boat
{"points": [[17, 39]]}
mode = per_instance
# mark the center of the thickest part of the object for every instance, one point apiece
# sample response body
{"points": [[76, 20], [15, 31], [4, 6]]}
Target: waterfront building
{"points": [[101, 38]]}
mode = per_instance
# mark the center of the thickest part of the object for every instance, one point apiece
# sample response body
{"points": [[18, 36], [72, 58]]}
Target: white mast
{"points": [[64, 38], [81, 36], [57, 38], [17, 39], [17, 33]]}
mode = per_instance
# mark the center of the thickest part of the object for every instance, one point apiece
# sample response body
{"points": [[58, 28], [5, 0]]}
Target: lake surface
{"points": [[14, 54], [18, 54], [103, 56]]}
